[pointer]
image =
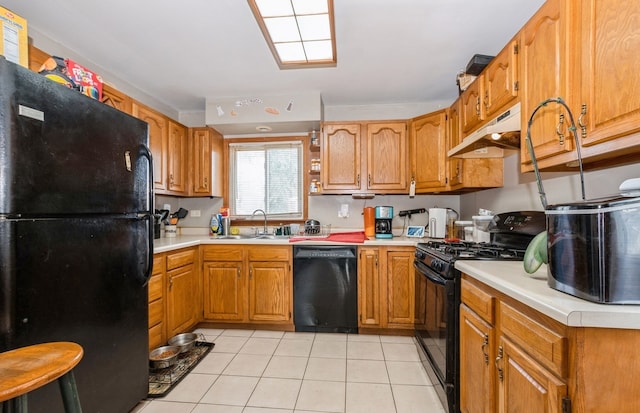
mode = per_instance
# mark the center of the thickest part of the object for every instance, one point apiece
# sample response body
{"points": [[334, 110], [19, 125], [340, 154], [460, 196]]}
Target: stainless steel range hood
{"points": [[500, 135]]}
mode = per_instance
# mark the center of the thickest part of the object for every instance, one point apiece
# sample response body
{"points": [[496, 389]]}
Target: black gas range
{"points": [[437, 287]]}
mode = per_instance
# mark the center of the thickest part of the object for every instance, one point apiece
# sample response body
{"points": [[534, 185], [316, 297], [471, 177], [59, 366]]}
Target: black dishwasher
{"points": [[325, 288]]}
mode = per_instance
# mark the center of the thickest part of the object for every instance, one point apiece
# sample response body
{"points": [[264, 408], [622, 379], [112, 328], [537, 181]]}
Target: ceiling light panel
{"points": [[300, 33]]}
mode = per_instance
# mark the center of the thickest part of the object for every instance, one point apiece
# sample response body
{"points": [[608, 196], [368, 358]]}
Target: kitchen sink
{"points": [[231, 237]]}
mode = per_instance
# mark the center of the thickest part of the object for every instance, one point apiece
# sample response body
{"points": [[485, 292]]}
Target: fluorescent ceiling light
{"points": [[300, 33]]}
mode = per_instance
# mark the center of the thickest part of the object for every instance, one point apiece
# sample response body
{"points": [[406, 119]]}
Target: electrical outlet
{"points": [[344, 211], [167, 207], [195, 213]]}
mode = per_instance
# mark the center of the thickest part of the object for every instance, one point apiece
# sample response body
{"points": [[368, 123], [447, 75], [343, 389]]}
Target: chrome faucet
{"points": [[264, 232]]}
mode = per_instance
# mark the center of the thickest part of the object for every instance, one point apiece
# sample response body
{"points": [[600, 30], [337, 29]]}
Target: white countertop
{"points": [[183, 241], [510, 278]]}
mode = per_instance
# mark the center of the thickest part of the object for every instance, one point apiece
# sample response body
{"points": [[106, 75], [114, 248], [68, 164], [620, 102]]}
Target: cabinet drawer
{"points": [[222, 253], [158, 264], [181, 258], [258, 253], [547, 346], [156, 338], [481, 302], [155, 287], [156, 310]]}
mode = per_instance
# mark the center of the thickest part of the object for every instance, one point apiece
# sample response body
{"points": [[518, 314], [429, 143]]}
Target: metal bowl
{"points": [[185, 341], [163, 357]]}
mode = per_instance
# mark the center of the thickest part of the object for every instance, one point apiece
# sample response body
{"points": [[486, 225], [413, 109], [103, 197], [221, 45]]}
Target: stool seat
{"points": [[28, 368]]}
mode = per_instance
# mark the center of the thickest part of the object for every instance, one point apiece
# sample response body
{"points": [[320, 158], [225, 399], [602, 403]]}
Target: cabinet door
{"points": [[116, 99], [472, 110], [158, 143], [501, 80], [340, 158], [181, 304], [524, 385], [428, 142], [369, 286], [224, 291], [400, 288], [269, 291], [177, 158], [454, 137], [205, 161], [609, 86], [387, 157], [544, 54], [477, 371]]}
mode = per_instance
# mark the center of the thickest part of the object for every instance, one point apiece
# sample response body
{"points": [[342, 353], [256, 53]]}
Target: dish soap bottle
{"points": [[214, 225]]}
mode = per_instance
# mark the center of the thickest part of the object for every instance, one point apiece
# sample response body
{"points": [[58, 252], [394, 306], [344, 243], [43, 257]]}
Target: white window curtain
{"points": [[266, 176]]}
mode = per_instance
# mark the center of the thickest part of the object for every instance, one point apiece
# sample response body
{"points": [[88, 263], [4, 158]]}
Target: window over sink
{"points": [[267, 175]]}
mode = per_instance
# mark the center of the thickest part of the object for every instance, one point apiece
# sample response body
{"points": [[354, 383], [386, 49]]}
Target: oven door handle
{"points": [[429, 273]]}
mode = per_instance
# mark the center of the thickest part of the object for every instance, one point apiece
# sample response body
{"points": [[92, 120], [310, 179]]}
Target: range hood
{"points": [[493, 138], [260, 115]]}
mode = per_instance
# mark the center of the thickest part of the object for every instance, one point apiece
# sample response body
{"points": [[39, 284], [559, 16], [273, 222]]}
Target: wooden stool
{"points": [[25, 369]]}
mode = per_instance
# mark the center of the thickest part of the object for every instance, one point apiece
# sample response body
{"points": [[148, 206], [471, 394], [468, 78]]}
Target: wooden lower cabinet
{"points": [[157, 326], [515, 359], [248, 284], [386, 287], [182, 285]]}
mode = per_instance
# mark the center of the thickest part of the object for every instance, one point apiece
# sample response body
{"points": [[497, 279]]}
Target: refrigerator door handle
{"points": [[144, 152]]}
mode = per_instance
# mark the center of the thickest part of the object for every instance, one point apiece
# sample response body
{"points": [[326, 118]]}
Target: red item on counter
{"points": [[358, 237]]}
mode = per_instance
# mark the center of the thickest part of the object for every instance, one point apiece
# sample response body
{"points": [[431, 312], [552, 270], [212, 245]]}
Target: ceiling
{"points": [[182, 53]]}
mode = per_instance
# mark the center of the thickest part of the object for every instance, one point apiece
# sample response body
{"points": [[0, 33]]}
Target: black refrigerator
{"points": [[76, 236]]}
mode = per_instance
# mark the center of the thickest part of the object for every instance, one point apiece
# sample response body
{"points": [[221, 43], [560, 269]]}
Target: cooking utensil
{"points": [[536, 253], [180, 213]]}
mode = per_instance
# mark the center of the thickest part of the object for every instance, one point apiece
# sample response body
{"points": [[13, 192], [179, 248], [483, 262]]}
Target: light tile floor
{"points": [[256, 371]]}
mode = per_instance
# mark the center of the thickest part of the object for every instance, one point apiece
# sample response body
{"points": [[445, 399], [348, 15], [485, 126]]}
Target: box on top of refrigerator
{"points": [[14, 44]]}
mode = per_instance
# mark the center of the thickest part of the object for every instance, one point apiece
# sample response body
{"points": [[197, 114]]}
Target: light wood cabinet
{"points": [[224, 283], [205, 162], [177, 157], [545, 49], [116, 99], [428, 147], [376, 163], [515, 359], [157, 326], [248, 284], [340, 158], [386, 287], [500, 79], [369, 287], [472, 111], [609, 90], [182, 286], [270, 282], [511, 360], [158, 144]]}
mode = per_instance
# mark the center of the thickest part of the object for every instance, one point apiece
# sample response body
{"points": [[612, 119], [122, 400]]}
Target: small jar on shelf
{"points": [[315, 140], [315, 165], [314, 187]]}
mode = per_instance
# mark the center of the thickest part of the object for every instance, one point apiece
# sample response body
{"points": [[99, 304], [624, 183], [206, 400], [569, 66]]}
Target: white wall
{"points": [[520, 191]]}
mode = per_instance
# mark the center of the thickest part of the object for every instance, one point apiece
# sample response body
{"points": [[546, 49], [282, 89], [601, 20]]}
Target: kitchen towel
{"points": [[353, 237]]}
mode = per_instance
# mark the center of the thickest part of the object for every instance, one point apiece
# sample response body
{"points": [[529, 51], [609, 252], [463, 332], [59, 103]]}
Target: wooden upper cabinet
{"points": [[37, 58], [116, 99], [386, 157], [177, 158], [454, 137], [610, 88], [158, 143], [205, 161], [544, 50], [428, 148], [472, 110], [500, 79], [340, 158]]}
